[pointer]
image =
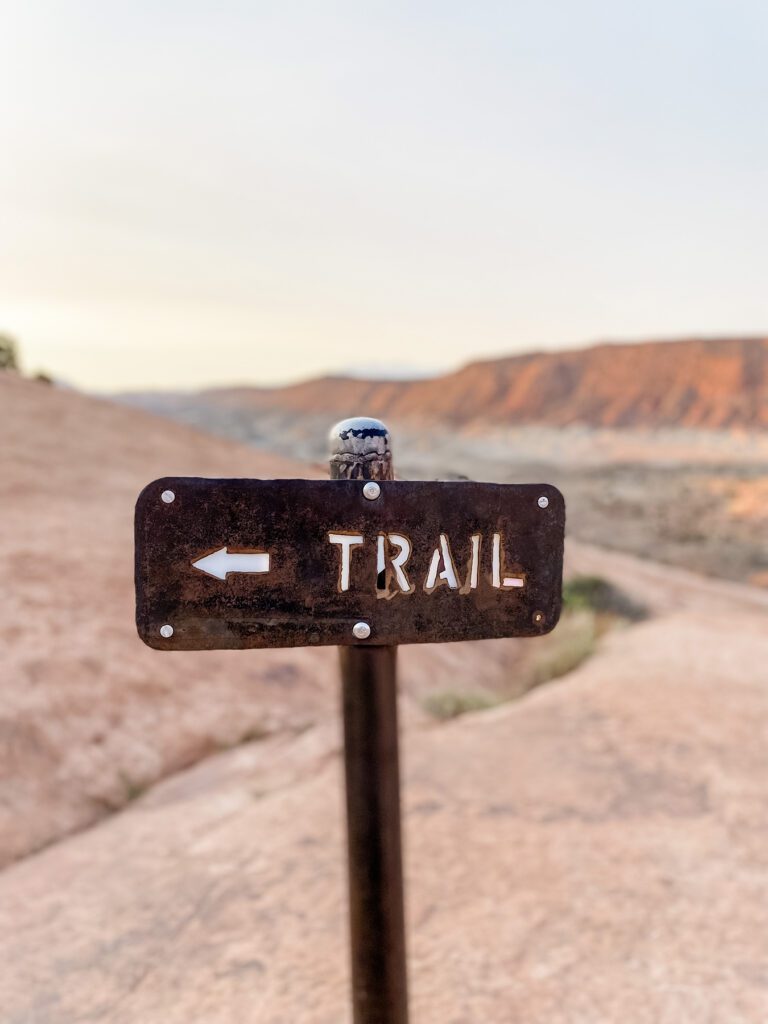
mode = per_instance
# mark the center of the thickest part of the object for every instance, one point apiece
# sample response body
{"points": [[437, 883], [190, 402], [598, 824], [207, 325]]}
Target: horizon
{"points": [[383, 378], [383, 373], [349, 187]]}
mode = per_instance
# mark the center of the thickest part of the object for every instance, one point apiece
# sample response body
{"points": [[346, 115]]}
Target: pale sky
{"points": [[200, 193]]}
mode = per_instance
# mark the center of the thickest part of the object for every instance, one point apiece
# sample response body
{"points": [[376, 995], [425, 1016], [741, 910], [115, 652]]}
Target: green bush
{"points": [[452, 703], [572, 642], [8, 359], [591, 607], [593, 593]]}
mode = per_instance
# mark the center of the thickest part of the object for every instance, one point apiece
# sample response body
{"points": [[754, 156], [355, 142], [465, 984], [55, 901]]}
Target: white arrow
{"points": [[221, 562]]}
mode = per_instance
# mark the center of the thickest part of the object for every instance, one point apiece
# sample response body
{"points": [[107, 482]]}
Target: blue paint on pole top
{"points": [[363, 432]]}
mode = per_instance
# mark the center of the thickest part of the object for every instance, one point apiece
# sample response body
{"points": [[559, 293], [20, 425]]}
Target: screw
{"points": [[168, 497], [543, 501], [371, 490], [538, 618], [166, 631], [361, 630]]}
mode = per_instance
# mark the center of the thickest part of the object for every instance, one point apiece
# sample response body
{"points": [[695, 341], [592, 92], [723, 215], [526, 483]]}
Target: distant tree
{"points": [[8, 359]]}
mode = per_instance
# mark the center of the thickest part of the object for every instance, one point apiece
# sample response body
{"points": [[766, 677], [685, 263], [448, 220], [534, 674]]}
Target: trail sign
{"points": [[287, 563], [364, 562]]}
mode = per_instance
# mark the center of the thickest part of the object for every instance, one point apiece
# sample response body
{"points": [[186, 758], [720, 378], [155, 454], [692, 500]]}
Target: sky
{"points": [[202, 193]]}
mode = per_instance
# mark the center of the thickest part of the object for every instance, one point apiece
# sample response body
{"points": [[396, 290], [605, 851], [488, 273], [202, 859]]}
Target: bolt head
{"points": [[543, 501], [166, 631], [361, 630], [168, 497], [371, 490], [538, 618]]}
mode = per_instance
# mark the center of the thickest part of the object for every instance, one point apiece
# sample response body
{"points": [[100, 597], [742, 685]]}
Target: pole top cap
{"points": [[360, 436]]}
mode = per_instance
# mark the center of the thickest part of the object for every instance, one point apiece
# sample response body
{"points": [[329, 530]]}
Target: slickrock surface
{"points": [[595, 852], [89, 715]]}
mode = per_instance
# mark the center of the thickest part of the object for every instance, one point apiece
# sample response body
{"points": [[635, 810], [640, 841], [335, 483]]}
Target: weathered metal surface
{"points": [[372, 775], [300, 600]]}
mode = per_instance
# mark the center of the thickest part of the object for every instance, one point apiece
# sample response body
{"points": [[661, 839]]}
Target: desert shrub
{"points": [[591, 607], [8, 358], [133, 788], [572, 642], [593, 593], [447, 704]]}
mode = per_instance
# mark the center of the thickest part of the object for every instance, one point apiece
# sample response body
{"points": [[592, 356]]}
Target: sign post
{"points": [[360, 450], [362, 562]]}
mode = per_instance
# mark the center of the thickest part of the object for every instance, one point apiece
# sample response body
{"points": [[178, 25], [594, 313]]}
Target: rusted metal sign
{"points": [[289, 563]]}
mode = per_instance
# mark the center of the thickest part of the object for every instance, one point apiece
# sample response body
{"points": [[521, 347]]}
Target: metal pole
{"points": [[360, 450]]}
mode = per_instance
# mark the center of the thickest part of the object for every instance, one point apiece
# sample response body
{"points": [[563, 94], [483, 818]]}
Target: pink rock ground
{"points": [[90, 717], [595, 852]]}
